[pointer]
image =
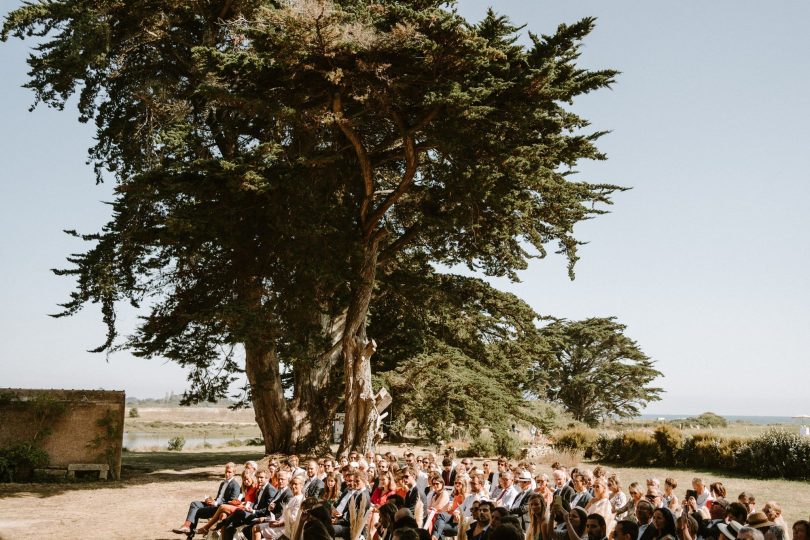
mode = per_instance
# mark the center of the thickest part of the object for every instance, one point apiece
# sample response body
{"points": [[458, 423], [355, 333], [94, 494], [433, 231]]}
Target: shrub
{"points": [[707, 449], [707, 420], [506, 444], [176, 444], [577, 439], [775, 454], [234, 443], [18, 461], [256, 441], [133, 412], [637, 448], [669, 440], [482, 446], [607, 449]]}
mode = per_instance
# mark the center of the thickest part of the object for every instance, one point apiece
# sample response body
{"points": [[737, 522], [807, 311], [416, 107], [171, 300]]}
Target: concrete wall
{"points": [[85, 426]]}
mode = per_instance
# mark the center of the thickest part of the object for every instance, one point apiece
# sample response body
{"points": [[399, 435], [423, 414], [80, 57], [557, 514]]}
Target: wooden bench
{"points": [[102, 469]]}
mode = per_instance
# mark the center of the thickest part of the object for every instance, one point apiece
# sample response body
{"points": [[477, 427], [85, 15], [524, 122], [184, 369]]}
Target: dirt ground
{"points": [[151, 499]]}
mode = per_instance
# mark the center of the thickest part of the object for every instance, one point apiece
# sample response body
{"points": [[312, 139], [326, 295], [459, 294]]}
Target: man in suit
{"points": [[644, 512], [448, 473], [480, 531], [520, 504], [276, 505], [313, 486], [359, 498], [562, 488], [228, 490], [279, 500], [413, 494], [581, 497], [244, 516]]}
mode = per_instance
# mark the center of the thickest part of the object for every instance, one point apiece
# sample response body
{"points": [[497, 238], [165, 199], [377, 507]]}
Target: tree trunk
{"points": [[269, 406], [300, 423], [359, 429]]}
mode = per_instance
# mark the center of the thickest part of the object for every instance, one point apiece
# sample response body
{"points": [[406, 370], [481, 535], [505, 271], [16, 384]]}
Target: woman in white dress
{"points": [[274, 529], [600, 503], [618, 498]]}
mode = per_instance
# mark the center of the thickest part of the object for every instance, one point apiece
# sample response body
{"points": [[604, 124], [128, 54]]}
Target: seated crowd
{"points": [[380, 497]]}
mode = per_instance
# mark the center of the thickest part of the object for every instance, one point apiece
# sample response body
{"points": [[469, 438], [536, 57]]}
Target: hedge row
{"points": [[773, 454]]}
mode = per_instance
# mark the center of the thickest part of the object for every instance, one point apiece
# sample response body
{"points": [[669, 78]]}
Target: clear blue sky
{"points": [[706, 260]]}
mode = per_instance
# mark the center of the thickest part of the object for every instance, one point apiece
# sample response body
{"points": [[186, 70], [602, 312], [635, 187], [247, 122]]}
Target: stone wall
{"points": [[75, 426]]}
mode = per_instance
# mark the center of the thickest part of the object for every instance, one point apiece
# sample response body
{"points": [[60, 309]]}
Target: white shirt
{"points": [[507, 497], [466, 506], [421, 480], [703, 498], [495, 487], [344, 501], [641, 529]]}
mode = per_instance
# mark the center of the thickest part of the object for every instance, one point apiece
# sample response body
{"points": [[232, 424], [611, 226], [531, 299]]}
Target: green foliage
{"points": [[176, 444], [594, 370], [282, 169], [506, 444], [107, 442], [706, 420], [256, 441], [18, 461], [467, 360], [775, 454], [669, 440], [666, 447], [233, 443], [576, 439], [483, 445], [709, 450], [133, 412]]}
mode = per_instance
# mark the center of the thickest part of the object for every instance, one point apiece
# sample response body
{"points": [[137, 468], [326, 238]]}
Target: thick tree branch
{"points": [[411, 164], [362, 156]]}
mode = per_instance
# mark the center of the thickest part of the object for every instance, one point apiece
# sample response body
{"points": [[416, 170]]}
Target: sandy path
{"points": [[146, 508]]}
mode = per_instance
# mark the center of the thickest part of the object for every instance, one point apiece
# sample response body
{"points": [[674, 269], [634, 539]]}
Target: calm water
{"points": [[764, 420], [134, 440]]}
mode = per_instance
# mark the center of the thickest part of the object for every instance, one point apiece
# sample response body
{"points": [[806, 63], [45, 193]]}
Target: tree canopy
{"points": [[285, 167], [595, 370]]}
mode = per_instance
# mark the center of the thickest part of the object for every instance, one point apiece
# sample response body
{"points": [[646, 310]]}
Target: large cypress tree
{"points": [[280, 165]]}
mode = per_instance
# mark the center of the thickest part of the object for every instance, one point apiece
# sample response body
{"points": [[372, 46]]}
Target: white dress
{"points": [[618, 500], [289, 516]]}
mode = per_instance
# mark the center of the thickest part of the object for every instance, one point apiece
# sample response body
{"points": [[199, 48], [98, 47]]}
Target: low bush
{"points": [[607, 449], [669, 440], [775, 454], [576, 439], [176, 444], [709, 450], [234, 443], [506, 444], [481, 446], [634, 448], [18, 461], [708, 420]]}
